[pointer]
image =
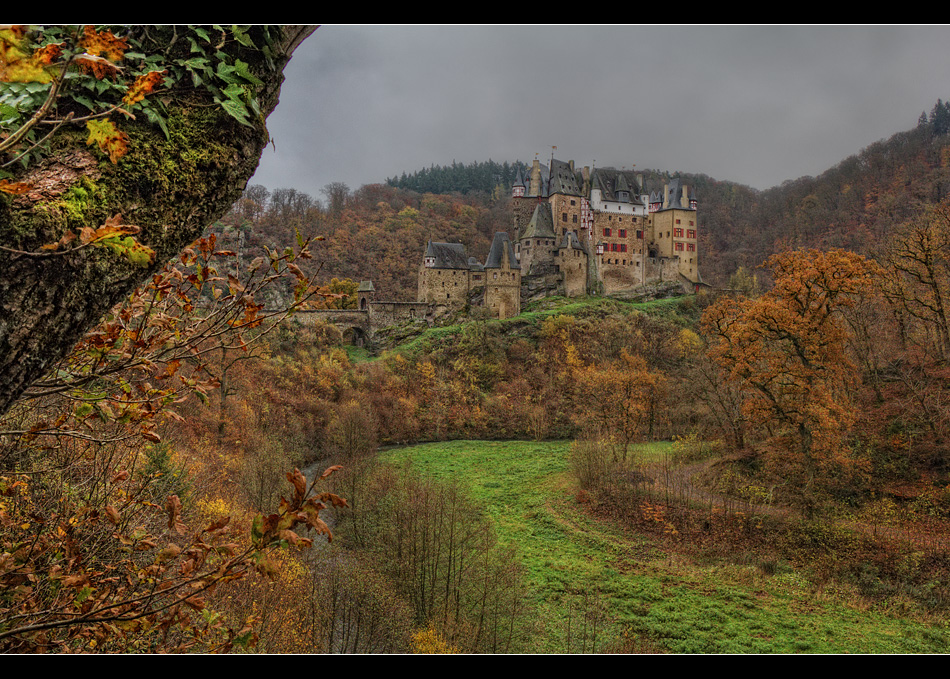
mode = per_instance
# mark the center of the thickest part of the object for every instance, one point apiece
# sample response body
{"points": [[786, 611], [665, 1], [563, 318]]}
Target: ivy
{"points": [[55, 75]]}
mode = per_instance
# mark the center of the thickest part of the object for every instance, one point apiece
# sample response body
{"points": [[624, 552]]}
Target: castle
{"points": [[593, 232]]}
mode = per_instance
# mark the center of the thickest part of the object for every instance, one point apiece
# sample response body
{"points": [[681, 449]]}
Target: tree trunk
{"points": [[172, 188]]}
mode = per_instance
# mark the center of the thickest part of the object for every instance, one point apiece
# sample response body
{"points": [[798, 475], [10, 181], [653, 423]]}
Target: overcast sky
{"points": [[750, 104]]}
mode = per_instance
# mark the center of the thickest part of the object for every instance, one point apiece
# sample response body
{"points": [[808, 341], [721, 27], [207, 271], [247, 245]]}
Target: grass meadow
{"points": [[600, 586]]}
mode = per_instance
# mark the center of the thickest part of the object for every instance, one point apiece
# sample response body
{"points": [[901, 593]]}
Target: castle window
{"points": [[677, 233], [677, 221], [691, 247], [623, 247], [691, 222], [679, 246], [574, 218], [690, 233], [606, 231], [640, 235], [623, 233], [563, 216]]}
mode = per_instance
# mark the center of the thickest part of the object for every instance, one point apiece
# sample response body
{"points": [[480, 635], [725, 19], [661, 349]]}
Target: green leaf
{"points": [[244, 70], [236, 110], [240, 34]]}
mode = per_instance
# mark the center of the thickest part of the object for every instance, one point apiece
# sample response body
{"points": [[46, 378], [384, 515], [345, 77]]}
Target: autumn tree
{"points": [[618, 401], [786, 351], [153, 130], [101, 183], [917, 257]]}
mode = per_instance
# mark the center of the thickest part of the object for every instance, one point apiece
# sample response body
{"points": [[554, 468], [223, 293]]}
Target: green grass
{"points": [[358, 354], [429, 339], [679, 605]]}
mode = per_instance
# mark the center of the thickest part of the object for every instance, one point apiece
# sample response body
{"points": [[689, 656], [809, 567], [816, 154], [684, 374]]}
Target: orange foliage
{"points": [[787, 351]]}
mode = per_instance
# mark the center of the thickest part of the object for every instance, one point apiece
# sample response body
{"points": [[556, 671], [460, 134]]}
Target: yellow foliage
{"points": [[688, 343], [429, 641]]}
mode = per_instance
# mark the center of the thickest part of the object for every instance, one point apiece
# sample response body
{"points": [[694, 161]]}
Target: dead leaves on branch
{"points": [[125, 567], [114, 235], [66, 591], [303, 508], [94, 53]]}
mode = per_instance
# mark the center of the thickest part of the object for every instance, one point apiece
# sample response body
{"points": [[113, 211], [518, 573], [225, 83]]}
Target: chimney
{"points": [[535, 186], [666, 196]]}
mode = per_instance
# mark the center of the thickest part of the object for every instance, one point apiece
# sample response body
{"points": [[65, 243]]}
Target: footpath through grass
{"points": [[580, 567]]}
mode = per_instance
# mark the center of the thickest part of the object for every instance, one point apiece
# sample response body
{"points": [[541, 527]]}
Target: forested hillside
{"points": [[762, 467]]}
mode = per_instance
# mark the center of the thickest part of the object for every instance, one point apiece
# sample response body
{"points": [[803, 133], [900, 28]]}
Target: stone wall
{"points": [[572, 265], [503, 292], [443, 286], [384, 314]]}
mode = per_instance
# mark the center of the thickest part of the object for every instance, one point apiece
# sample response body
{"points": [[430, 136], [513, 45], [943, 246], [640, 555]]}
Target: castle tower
{"points": [[445, 275], [535, 247], [675, 229], [534, 189], [502, 278], [365, 294], [518, 188]]}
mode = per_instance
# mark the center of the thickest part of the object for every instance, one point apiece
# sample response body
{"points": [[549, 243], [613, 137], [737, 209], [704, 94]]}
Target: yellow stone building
{"points": [[631, 238], [577, 233]]}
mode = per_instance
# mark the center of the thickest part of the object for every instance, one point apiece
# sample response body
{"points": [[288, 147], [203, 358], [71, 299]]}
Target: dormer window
{"points": [[623, 196]]}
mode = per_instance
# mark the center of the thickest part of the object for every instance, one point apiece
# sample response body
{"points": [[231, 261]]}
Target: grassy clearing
{"points": [[429, 339], [358, 354], [579, 566]]}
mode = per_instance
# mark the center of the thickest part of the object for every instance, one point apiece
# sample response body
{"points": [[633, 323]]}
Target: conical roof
{"points": [[500, 246], [541, 224]]}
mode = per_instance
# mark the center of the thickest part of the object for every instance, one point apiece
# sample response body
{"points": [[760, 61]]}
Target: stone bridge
{"points": [[359, 326]]}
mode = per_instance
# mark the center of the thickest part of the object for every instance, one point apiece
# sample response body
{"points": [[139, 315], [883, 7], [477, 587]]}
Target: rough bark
{"points": [[170, 187]]}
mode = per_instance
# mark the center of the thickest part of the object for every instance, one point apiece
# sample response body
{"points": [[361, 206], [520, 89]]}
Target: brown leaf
{"points": [[143, 86], [173, 508], [14, 188], [330, 470], [300, 485]]}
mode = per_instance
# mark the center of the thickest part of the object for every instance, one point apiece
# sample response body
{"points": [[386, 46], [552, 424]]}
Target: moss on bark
{"points": [[171, 187]]}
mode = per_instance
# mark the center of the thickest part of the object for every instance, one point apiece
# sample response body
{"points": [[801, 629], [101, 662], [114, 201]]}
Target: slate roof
{"points": [[447, 255], [519, 180], [676, 196], [570, 241], [557, 179], [562, 179], [609, 181], [500, 244], [541, 224]]}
